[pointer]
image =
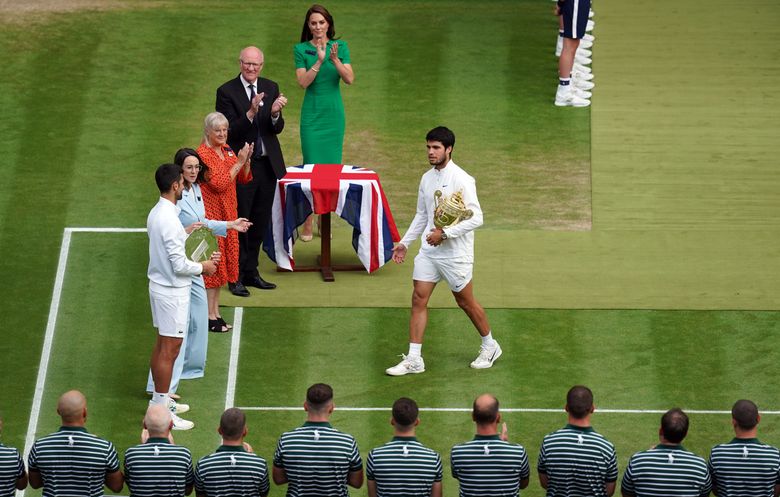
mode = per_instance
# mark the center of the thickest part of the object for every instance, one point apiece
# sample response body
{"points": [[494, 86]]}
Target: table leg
{"points": [[326, 267]]}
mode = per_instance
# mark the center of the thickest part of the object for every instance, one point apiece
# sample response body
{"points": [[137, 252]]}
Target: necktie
{"points": [[259, 149]]}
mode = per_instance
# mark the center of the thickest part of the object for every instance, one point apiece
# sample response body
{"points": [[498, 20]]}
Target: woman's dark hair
{"points": [[318, 9], [183, 153]]}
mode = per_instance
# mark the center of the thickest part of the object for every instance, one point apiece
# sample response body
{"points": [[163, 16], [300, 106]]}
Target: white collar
{"points": [[246, 83]]}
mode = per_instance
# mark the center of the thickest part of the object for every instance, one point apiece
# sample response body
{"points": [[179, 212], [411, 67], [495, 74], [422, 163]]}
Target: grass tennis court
{"points": [[640, 259]]}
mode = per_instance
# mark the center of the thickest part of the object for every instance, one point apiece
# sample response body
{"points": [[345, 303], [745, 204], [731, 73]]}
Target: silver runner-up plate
{"points": [[200, 244]]}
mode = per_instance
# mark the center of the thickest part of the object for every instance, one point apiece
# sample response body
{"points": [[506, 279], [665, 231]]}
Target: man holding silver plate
{"points": [[448, 212]]}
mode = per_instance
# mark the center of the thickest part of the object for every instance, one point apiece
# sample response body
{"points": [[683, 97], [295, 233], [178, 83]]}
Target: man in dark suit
{"points": [[253, 107]]}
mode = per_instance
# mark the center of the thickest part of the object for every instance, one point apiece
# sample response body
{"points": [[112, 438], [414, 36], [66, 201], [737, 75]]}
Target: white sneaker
{"points": [[559, 46], [580, 68], [487, 356], [181, 424], [581, 93], [591, 13], [567, 98], [583, 61], [587, 37], [586, 44], [582, 76], [408, 365], [589, 27], [175, 407], [582, 84], [584, 52]]}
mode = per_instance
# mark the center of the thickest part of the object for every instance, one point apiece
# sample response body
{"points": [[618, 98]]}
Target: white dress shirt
{"points": [[170, 272], [459, 244]]}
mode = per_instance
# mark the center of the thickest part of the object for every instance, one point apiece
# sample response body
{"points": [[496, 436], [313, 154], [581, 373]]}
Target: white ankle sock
{"points": [[160, 398], [415, 349], [487, 340]]}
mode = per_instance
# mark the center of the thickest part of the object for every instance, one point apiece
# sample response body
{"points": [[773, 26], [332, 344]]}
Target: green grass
{"points": [[683, 214], [632, 360]]}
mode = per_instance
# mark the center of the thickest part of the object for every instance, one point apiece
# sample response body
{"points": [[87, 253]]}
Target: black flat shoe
{"points": [[215, 326], [238, 289], [259, 282]]}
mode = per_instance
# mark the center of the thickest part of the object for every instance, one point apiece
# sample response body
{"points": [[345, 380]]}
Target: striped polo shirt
{"points": [[73, 462], [232, 471], [158, 469], [578, 462], [403, 467], [488, 466], [666, 471], [317, 459], [11, 469], [745, 467]]}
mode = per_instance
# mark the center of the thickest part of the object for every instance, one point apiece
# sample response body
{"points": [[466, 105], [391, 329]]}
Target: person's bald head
{"points": [[72, 408], [251, 60], [485, 409], [158, 421]]}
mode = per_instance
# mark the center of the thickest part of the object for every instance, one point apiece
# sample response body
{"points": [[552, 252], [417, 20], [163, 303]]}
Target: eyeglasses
{"points": [[250, 64]]}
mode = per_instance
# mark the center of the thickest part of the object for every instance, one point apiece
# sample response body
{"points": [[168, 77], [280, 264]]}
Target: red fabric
{"points": [[325, 184], [219, 197]]}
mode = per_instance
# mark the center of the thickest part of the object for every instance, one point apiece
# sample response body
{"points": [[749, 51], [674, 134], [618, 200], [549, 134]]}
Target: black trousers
{"points": [[255, 200]]}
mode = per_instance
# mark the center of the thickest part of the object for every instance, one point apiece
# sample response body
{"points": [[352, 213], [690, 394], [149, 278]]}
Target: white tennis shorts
{"points": [[170, 313], [457, 273]]}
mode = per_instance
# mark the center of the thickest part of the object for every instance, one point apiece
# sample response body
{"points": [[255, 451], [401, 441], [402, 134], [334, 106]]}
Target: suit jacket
{"points": [[233, 102]]}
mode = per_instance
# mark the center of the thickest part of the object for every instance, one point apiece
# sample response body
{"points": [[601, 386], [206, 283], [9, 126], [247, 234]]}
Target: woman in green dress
{"points": [[320, 64]]}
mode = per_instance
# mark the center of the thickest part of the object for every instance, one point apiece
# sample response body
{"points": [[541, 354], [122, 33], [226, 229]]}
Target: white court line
{"points": [[54, 309], [503, 409], [233, 368], [230, 394]]}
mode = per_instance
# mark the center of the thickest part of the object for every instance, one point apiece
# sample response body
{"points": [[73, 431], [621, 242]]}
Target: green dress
{"points": [[322, 114]]}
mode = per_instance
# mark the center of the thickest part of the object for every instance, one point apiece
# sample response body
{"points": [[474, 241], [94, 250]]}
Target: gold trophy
{"points": [[449, 210]]}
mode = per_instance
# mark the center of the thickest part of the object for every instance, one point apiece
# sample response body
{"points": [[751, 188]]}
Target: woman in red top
{"points": [[219, 196]]}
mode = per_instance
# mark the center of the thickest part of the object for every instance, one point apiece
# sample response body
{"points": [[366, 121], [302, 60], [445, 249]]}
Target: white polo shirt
{"points": [[459, 244], [170, 272]]}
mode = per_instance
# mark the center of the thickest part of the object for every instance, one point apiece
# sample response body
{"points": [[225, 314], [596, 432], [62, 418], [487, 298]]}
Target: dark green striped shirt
{"points": [[73, 462], [578, 462], [403, 467], [11, 469], [745, 467], [158, 469], [666, 471], [317, 459], [487, 466], [231, 472]]}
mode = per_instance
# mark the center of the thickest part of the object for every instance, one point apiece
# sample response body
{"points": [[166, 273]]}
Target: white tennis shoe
{"points": [[408, 365], [487, 356]]}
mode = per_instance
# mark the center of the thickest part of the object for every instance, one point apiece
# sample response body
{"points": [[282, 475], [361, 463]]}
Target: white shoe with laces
{"points": [[565, 97], [590, 25], [582, 84], [581, 93], [408, 365], [181, 424], [586, 44], [580, 68], [583, 61], [582, 76], [177, 407], [584, 52], [487, 356], [587, 37]]}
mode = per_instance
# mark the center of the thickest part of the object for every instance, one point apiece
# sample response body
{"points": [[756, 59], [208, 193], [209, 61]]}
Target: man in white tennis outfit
{"points": [[447, 193], [169, 285]]}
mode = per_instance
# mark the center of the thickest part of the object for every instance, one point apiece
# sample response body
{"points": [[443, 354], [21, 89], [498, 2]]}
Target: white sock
{"points": [[415, 349], [487, 340], [160, 398]]}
